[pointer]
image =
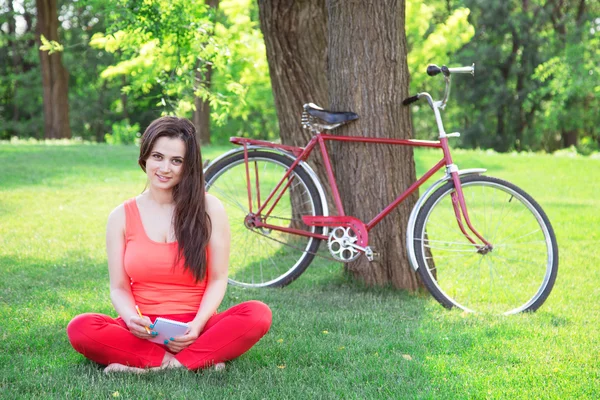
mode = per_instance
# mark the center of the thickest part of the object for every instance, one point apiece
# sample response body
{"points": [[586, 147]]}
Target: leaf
{"points": [[51, 46]]}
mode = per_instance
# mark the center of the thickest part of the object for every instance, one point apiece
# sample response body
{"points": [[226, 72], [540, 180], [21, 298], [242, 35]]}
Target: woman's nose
{"points": [[165, 166]]}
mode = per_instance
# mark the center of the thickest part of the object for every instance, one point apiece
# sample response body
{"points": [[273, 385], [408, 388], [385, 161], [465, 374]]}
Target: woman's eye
{"points": [[177, 162], [156, 156]]}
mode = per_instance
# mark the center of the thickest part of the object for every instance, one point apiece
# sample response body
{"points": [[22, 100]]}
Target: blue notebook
{"points": [[167, 328]]}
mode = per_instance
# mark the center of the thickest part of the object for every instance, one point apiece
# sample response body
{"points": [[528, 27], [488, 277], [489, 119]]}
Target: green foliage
{"points": [[432, 39], [433, 36], [253, 113], [159, 44], [530, 61], [536, 81], [123, 133], [570, 96], [162, 62]]}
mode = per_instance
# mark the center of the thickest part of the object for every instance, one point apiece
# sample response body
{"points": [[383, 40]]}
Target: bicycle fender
{"points": [[412, 220], [304, 165]]}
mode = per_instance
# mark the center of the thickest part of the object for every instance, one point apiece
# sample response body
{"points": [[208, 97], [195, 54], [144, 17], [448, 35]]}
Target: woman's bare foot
{"points": [[169, 361], [114, 367], [219, 367]]}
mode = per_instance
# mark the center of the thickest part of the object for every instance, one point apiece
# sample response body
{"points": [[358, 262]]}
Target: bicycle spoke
{"points": [[508, 289], [468, 244], [526, 235], [518, 243], [268, 255], [516, 269], [453, 256]]}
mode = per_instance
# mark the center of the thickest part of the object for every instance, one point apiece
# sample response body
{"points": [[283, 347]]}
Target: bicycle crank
{"points": [[348, 238]]}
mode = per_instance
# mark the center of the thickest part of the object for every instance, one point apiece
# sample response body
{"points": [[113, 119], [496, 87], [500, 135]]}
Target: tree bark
{"points": [[54, 75], [569, 138], [295, 35], [201, 117], [368, 74]]}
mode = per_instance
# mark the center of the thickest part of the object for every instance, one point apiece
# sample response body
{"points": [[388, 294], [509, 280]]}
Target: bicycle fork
{"points": [[460, 211]]}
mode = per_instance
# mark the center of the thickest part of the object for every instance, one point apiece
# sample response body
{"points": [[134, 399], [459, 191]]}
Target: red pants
{"points": [[225, 336]]}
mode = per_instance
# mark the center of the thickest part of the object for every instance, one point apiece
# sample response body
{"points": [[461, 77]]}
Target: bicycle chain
{"points": [[289, 245], [298, 248], [351, 267]]}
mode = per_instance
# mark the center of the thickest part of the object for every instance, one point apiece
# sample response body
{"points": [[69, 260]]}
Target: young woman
{"points": [[168, 252]]}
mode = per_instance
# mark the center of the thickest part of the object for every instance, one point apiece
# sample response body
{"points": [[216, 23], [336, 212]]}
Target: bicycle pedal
{"points": [[371, 255]]}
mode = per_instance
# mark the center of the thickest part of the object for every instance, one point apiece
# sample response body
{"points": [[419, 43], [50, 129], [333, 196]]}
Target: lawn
{"points": [[331, 337]]}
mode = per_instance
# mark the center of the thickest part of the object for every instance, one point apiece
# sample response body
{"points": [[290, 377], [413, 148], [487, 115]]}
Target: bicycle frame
{"points": [[301, 154]]}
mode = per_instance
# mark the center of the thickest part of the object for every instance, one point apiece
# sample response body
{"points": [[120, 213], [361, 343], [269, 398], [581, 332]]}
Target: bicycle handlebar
{"points": [[410, 100], [433, 70]]}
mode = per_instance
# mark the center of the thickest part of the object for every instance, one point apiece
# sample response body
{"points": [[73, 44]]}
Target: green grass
{"points": [[331, 337]]}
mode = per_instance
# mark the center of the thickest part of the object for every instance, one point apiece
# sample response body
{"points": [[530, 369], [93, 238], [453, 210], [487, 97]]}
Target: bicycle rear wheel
{"points": [[263, 257], [516, 275]]}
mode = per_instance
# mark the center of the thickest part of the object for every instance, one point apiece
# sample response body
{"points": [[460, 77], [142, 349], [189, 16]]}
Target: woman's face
{"points": [[164, 166]]}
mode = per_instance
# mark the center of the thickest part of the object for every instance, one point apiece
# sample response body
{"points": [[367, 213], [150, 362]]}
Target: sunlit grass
{"points": [[331, 337]]}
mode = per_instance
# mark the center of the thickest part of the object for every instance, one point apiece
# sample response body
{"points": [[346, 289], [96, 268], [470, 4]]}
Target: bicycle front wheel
{"points": [[262, 257], [519, 271]]}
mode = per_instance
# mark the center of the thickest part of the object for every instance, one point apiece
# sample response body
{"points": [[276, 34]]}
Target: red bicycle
{"points": [[479, 243]]}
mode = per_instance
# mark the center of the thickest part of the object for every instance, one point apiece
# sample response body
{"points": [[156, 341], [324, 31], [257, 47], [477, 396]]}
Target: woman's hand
{"points": [[138, 325], [181, 342]]}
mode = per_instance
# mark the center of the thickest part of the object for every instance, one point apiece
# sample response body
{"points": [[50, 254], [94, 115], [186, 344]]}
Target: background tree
{"points": [[535, 88], [201, 115], [570, 78], [54, 75], [295, 34], [368, 74]]}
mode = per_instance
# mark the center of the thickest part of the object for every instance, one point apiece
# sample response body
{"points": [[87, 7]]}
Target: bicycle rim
{"points": [[519, 272], [264, 257]]}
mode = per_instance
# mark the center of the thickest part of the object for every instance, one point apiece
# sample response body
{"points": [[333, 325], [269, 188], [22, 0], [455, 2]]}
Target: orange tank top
{"points": [[160, 285]]}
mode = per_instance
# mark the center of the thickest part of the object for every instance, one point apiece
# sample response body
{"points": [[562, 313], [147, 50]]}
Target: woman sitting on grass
{"points": [[168, 253]]}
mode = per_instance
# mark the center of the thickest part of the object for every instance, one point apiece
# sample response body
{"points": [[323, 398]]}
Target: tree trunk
{"points": [[569, 138], [98, 123], [368, 74], [201, 117], [54, 75], [295, 35]]}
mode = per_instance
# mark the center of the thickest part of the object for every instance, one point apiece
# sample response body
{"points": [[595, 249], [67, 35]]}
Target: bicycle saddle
{"points": [[331, 117]]}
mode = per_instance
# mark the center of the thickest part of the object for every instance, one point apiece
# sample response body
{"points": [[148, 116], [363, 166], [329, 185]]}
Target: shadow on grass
{"points": [[337, 338]]}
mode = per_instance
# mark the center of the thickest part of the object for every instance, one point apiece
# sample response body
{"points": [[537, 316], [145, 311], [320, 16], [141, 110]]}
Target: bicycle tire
{"points": [[252, 248], [525, 266]]}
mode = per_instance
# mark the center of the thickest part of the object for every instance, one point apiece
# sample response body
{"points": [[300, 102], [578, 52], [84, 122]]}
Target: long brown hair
{"points": [[191, 223]]}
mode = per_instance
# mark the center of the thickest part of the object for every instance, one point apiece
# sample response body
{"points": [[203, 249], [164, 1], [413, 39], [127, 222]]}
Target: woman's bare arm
{"points": [[120, 284]]}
